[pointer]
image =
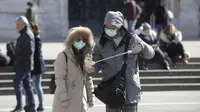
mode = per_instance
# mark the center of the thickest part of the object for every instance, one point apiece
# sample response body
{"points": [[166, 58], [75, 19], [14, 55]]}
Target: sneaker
{"points": [[40, 109], [29, 109], [168, 68], [17, 109], [144, 68], [185, 61]]}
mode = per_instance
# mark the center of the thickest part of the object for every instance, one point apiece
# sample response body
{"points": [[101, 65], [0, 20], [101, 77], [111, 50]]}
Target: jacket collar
{"points": [[71, 55], [123, 32], [23, 30]]}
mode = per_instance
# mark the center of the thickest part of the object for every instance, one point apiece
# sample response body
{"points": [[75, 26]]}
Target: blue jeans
{"points": [[37, 80], [130, 25], [159, 28], [26, 79]]}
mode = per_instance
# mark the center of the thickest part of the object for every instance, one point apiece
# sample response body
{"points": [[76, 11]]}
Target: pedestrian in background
{"points": [[74, 86], [30, 13], [23, 65], [161, 18], [132, 14], [39, 67]]}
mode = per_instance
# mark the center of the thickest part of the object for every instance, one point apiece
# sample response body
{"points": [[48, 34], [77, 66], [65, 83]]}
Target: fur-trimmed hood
{"points": [[77, 32]]}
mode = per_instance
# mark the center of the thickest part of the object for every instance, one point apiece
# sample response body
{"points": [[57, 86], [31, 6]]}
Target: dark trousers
{"points": [[124, 108], [26, 79], [159, 56], [174, 50]]}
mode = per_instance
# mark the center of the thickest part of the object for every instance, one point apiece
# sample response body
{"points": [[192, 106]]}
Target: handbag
{"points": [[52, 85], [112, 92]]}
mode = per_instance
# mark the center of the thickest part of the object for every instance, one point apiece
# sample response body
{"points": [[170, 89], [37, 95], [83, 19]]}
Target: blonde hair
{"points": [[35, 28], [80, 32]]}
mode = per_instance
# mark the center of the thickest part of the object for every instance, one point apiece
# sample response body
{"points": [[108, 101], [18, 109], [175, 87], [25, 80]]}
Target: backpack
{"points": [[10, 47], [4, 60], [52, 85]]}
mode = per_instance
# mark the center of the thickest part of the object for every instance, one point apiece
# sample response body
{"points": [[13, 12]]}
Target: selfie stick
{"points": [[128, 52]]}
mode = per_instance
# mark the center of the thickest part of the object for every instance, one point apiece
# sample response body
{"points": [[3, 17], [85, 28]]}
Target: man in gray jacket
{"points": [[24, 64], [112, 42]]}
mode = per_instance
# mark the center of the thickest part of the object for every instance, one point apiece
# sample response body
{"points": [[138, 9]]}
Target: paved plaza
{"points": [[174, 101]]}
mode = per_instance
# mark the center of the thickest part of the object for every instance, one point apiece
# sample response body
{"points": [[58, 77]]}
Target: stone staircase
{"points": [[183, 77]]}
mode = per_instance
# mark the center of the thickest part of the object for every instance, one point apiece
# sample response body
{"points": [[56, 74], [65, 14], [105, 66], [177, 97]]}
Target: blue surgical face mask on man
{"points": [[110, 32], [79, 45]]}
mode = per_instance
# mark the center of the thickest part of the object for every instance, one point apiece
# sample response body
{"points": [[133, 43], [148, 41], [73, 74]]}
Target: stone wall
{"points": [[51, 16], [188, 19], [9, 11]]}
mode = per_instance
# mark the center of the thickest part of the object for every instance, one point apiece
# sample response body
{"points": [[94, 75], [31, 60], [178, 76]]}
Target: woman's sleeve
{"points": [[60, 68], [90, 89], [96, 57], [179, 36]]}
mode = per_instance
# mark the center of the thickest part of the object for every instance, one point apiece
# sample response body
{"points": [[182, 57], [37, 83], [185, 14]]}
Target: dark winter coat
{"points": [[24, 51], [161, 15], [39, 64]]}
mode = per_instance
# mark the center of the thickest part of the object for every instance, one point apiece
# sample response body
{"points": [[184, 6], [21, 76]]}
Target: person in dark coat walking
{"points": [[23, 65], [39, 67], [161, 18], [30, 13], [132, 14]]}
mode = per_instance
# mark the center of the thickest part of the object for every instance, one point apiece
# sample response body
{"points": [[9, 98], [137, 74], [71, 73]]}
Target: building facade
{"points": [[187, 16], [55, 17]]}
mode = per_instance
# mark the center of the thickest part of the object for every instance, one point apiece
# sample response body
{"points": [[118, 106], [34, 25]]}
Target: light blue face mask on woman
{"points": [[79, 45], [110, 32]]}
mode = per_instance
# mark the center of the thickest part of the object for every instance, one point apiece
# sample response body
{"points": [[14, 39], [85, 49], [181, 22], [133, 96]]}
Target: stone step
{"points": [[145, 87], [162, 80], [10, 75], [152, 66], [173, 72], [143, 73], [9, 83], [171, 87], [191, 60], [9, 69], [190, 65], [143, 80]]}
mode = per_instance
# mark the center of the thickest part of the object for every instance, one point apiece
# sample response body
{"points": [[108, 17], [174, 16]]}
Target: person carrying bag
{"points": [[120, 89], [112, 91]]}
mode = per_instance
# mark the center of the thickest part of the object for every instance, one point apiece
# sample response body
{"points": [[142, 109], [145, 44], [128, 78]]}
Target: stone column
{"points": [[64, 17], [198, 3], [173, 5]]}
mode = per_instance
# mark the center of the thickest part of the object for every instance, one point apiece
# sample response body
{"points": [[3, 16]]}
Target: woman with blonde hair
{"points": [[171, 43], [74, 86]]}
